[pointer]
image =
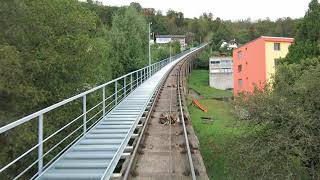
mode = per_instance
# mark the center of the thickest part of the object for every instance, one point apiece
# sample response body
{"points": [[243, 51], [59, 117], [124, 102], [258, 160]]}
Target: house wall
{"points": [[220, 74], [272, 56], [253, 66], [221, 81], [258, 62]]}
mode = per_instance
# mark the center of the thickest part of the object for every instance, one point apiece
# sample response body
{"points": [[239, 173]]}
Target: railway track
{"points": [[168, 147], [134, 130]]}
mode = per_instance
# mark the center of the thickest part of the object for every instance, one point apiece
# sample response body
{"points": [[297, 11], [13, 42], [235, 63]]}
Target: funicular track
{"points": [[167, 147], [106, 147]]}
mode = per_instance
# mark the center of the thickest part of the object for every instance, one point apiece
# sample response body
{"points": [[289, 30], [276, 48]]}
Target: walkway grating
{"points": [[96, 154]]}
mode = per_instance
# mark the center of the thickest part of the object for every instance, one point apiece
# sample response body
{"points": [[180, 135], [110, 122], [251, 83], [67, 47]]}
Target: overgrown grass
{"points": [[213, 136], [199, 82]]}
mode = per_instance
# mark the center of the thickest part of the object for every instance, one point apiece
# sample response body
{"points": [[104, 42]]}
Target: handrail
{"points": [[136, 77], [107, 174], [65, 101]]}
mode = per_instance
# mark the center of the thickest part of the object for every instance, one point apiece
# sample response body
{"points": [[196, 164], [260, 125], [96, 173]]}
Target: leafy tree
{"points": [[307, 41], [162, 51], [286, 27], [202, 61], [284, 122], [128, 39], [223, 33], [137, 6], [284, 117], [160, 24], [49, 50], [63, 50]]}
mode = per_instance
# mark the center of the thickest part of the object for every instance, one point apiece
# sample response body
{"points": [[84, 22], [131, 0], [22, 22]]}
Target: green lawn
{"points": [[199, 82], [213, 136]]}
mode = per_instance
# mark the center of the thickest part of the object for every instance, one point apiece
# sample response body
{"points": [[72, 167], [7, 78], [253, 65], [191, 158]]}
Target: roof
{"points": [[233, 41], [171, 36], [270, 39], [214, 58], [277, 39]]}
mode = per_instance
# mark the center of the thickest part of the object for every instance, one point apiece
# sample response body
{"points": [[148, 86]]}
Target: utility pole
{"points": [[170, 51], [149, 44]]}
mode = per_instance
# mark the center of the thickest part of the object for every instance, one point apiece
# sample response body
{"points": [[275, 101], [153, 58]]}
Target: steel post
{"points": [[40, 147], [84, 110], [125, 86], [131, 83], [104, 100], [137, 78], [141, 76], [116, 92]]}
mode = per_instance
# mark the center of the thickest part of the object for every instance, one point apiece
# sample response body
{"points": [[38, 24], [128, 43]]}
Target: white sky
{"points": [[226, 9]]}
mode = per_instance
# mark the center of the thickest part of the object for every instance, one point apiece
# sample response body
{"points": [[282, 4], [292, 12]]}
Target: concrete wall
{"points": [[221, 80], [220, 72]]}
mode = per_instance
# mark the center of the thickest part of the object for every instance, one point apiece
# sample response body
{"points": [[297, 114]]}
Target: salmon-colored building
{"points": [[254, 63]]}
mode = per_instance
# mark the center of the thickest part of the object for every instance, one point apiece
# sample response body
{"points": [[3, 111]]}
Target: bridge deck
{"points": [[97, 153]]}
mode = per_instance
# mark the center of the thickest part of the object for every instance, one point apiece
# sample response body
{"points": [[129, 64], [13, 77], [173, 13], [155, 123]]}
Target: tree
{"points": [[137, 6], [284, 117], [223, 33], [128, 39], [307, 41], [286, 27], [162, 51], [49, 50]]}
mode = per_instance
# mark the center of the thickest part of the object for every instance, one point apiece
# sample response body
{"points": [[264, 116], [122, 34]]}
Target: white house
{"points": [[230, 45], [164, 39]]}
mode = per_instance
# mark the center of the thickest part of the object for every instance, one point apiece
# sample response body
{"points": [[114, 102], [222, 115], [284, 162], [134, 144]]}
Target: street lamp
{"points": [[149, 43]]}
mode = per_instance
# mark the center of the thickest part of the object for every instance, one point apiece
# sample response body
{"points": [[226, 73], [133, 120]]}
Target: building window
{"points": [[239, 68], [240, 55], [215, 62], [226, 70], [276, 61], [276, 46], [240, 82]]}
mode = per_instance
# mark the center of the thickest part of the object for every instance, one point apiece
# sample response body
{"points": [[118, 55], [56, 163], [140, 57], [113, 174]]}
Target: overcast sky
{"points": [[226, 9]]}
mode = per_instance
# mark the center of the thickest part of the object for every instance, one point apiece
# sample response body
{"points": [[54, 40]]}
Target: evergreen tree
{"points": [[307, 41]]}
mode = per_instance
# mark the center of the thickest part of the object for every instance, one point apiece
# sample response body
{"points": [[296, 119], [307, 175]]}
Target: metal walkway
{"points": [[96, 151], [95, 155]]}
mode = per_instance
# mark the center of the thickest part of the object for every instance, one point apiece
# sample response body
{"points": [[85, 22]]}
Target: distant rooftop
{"points": [[171, 36], [271, 39], [220, 58], [278, 39]]}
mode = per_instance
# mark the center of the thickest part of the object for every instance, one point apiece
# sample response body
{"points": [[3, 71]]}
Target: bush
{"points": [[284, 118], [202, 61]]}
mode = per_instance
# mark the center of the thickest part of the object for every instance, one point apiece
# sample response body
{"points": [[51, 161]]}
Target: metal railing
{"points": [[117, 89]]}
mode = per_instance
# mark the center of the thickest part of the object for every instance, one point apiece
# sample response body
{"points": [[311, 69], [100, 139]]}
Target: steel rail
{"points": [[193, 174], [136, 78], [141, 136], [135, 150], [115, 158], [107, 173]]}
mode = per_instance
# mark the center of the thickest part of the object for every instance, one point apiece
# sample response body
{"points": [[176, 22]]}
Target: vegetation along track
{"points": [[168, 146]]}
